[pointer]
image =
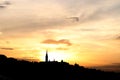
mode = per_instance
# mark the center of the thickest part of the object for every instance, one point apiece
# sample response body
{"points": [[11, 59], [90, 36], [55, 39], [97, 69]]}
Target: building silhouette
{"points": [[46, 56]]}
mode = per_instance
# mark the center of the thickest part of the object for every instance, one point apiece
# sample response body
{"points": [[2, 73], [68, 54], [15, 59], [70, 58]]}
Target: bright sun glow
{"points": [[55, 56]]}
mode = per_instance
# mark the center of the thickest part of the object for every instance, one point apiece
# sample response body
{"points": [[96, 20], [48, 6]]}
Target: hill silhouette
{"points": [[13, 69]]}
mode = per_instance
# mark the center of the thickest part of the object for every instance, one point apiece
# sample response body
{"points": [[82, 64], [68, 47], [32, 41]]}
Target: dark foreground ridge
{"points": [[13, 69]]}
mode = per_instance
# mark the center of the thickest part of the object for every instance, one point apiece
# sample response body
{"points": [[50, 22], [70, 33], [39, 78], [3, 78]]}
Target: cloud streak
{"points": [[62, 41], [7, 48], [4, 4], [118, 38], [61, 48]]}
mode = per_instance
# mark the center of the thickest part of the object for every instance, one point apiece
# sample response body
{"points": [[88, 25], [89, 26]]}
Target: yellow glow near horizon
{"points": [[56, 55]]}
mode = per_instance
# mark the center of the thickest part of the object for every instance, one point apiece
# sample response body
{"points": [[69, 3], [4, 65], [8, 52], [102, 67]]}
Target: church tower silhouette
{"points": [[46, 56]]}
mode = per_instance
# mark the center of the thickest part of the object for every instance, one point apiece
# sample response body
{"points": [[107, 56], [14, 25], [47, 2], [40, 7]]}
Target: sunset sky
{"points": [[86, 32]]}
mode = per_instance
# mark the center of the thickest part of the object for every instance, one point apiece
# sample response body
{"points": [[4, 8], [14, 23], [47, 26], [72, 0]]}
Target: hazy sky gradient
{"points": [[29, 27]]}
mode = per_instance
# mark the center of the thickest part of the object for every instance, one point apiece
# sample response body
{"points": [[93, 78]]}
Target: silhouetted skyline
{"points": [[13, 69]]}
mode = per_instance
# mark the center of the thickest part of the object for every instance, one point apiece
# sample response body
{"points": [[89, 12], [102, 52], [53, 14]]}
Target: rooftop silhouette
{"points": [[13, 69]]}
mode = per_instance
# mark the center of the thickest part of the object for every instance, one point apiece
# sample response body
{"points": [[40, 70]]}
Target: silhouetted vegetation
{"points": [[13, 69]]}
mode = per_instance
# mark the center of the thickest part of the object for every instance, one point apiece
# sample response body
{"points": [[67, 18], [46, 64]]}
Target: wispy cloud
{"points": [[118, 38], [62, 41], [4, 4], [38, 17], [7, 48], [91, 10], [60, 48]]}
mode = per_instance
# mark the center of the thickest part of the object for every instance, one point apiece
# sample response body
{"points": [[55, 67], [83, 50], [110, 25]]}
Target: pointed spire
{"points": [[46, 56]]}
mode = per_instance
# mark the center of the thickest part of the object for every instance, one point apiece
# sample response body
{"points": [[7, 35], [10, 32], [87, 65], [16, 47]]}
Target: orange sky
{"points": [[30, 27]]}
